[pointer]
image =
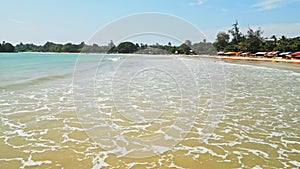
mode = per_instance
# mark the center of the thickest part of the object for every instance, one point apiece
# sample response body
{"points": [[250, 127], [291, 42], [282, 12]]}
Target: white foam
{"points": [[257, 152], [160, 149], [99, 161], [73, 128], [296, 163], [114, 59], [172, 165], [6, 122], [30, 162], [44, 132], [23, 134], [257, 167], [289, 141]]}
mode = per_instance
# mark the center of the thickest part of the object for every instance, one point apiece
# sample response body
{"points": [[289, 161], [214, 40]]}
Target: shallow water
{"points": [[47, 122]]}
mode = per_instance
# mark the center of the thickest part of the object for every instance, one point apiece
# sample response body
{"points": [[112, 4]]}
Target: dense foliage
{"points": [[6, 47], [253, 41], [233, 40], [50, 47], [127, 47]]}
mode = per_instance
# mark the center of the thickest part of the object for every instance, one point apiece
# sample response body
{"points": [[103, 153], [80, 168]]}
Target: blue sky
{"points": [[62, 21]]}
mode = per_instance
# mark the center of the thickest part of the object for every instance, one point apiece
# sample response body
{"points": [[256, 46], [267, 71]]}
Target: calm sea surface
{"points": [[56, 115]]}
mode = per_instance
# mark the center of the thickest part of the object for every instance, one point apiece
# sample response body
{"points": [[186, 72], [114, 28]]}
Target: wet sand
{"points": [[292, 61]]}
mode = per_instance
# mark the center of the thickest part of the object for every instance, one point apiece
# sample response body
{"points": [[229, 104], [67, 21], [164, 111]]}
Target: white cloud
{"points": [[224, 10], [267, 4], [198, 2], [15, 21]]}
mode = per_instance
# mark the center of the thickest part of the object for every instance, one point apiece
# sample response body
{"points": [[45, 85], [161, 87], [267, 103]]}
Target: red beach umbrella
{"points": [[246, 53], [295, 54]]}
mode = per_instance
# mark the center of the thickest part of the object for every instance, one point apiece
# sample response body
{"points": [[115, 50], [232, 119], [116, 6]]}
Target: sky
{"points": [[63, 21]]}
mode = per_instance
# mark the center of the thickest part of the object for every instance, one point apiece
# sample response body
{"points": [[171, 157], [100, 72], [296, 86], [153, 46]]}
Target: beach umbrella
{"points": [[273, 53], [246, 53], [285, 53], [260, 53], [231, 53], [220, 53], [295, 54]]}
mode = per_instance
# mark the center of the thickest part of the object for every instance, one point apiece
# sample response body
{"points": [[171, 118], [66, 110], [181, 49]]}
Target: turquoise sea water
{"points": [[41, 125], [18, 68]]}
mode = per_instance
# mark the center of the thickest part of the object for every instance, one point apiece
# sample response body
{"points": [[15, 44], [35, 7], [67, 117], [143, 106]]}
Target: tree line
{"points": [[62, 48], [253, 41], [233, 40], [125, 47]]}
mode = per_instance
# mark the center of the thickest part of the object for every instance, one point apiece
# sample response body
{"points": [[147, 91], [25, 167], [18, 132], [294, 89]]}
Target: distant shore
{"points": [[231, 58], [240, 58]]}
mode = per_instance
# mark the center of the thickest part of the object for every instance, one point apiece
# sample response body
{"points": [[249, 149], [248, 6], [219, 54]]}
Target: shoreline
{"points": [[291, 61], [231, 58], [240, 58]]}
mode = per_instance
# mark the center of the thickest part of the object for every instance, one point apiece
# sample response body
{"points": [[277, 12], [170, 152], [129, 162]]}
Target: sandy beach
{"points": [[44, 118], [292, 61]]}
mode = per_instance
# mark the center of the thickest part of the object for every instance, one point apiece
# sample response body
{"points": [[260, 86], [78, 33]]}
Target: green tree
{"points": [[222, 41], [284, 44], [57, 48], [71, 48], [184, 49], [143, 46], [188, 43], [253, 41], [111, 45], [204, 48], [127, 47], [6, 47], [113, 50], [49, 47], [236, 34], [270, 43]]}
